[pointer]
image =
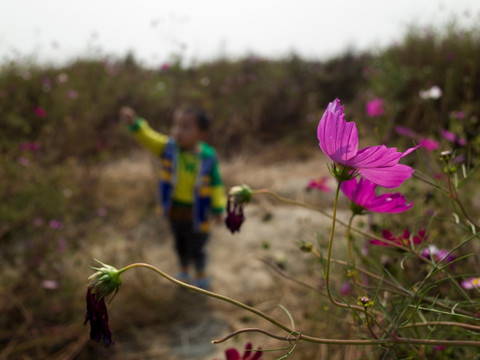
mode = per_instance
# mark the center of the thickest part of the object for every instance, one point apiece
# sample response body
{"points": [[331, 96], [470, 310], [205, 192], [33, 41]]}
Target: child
{"points": [[190, 185]]}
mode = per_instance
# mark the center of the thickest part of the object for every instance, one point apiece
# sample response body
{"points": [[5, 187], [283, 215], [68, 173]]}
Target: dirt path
{"points": [[179, 324]]}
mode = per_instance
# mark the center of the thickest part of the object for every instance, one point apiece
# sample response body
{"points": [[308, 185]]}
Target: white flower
{"points": [[433, 93]]}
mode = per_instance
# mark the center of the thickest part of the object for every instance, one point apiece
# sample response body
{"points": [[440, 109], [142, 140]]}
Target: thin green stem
{"points": [[349, 246], [390, 341], [341, 222], [211, 294], [295, 335], [368, 323], [330, 245]]}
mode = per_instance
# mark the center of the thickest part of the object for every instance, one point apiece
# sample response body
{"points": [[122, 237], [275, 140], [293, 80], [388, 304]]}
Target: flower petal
{"points": [[388, 177], [337, 138], [389, 203], [232, 354]]}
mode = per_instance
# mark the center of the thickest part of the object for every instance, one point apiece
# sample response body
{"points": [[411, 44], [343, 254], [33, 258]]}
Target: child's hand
{"points": [[127, 115], [218, 219]]}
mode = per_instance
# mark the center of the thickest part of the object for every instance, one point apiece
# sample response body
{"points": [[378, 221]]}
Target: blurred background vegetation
{"points": [[59, 127]]}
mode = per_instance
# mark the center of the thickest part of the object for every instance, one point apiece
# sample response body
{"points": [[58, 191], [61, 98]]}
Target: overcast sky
{"points": [[59, 30]]}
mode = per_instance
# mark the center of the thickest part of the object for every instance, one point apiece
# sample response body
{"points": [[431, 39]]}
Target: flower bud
{"points": [[365, 301], [446, 156], [105, 281], [242, 194], [342, 173], [238, 196], [306, 246]]}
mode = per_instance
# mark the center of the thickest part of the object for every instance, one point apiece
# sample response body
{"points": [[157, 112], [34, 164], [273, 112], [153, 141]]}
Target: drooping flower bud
{"points": [[241, 193], [105, 281], [238, 196]]}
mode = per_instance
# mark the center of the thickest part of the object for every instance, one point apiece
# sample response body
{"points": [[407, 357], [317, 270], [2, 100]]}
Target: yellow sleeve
{"points": [[151, 139], [219, 199]]}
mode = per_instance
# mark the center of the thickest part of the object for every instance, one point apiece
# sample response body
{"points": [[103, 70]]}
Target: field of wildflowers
{"points": [[399, 130]]}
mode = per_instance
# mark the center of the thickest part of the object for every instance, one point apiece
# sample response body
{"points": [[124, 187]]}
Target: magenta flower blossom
{"points": [[471, 283], [346, 288], [460, 115], [375, 107], [338, 140], [438, 255], [429, 144], [453, 137], [362, 195], [233, 354], [403, 239], [29, 146], [319, 184], [98, 316], [235, 217], [55, 224], [402, 130], [22, 160], [40, 112]]}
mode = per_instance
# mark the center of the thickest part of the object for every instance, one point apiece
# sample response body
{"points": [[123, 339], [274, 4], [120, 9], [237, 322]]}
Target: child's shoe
{"points": [[183, 277], [202, 283]]}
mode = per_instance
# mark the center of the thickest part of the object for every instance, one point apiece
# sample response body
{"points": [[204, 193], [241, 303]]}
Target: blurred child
{"points": [[190, 185]]}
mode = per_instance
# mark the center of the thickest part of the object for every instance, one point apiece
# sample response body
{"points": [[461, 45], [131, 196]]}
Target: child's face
{"points": [[185, 130]]}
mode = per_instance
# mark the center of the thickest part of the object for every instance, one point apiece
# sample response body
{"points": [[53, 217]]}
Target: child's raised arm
{"points": [[151, 139]]}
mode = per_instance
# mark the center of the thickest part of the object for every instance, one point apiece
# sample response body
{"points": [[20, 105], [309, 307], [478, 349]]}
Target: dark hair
{"points": [[203, 119]]}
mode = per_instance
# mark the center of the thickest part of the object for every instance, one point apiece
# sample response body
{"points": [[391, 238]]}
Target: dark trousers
{"points": [[189, 244]]}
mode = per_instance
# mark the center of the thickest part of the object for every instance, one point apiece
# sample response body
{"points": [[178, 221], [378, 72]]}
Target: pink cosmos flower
{"points": [[50, 284], [29, 146], [319, 184], [40, 112], [338, 140], [362, 194], [346, 288], [72, 94], [473, 282], [233, 354], [403, 239], [438, 254], [55, 224], [375, 107], [460, 115], [23, 161], [38, 221], [429, 144], [450, 136], [402, 130]]}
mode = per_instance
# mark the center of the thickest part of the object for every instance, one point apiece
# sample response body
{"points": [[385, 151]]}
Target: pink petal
{"points": [[389, 177], [387, 234], [389, 203], [337, 138], [429, 144], [232, 354], [248, 349], [365, 193], [375, 156], [348, 188], [401, 130]]}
